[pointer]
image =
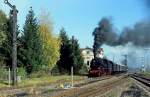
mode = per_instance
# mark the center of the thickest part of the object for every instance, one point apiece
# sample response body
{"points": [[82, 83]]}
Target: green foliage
{"points": [[40, 73], [3, 26], [55, 70], [38, 48], [64, 64], [2, 37], [3, 74], [76, 57], [70, 54], [32, 44], [6, 39], [6, 45], [3, 30], [84, 69], [22, 72], [51, 44]]}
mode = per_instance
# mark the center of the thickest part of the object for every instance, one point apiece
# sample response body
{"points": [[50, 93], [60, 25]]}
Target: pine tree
{"points": [[3, 26], [32, 45], [6, 46], [70, 55], [64, 64], [3, 36], [76, 57]]}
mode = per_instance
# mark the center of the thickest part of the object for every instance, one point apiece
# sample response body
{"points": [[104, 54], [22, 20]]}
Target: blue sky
{"points": [[80, 17]]}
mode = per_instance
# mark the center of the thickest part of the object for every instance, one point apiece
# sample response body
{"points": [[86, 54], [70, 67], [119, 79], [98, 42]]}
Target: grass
{"points": [[147, 73], [51, 79], [44, 81], [3, 85]]}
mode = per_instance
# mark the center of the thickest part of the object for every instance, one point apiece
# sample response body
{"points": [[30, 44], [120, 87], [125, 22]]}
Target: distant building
{"points": [[88, 55]]}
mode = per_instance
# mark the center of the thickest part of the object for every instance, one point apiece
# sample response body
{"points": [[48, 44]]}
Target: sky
{"points": [[80, 17], [136, 56]]}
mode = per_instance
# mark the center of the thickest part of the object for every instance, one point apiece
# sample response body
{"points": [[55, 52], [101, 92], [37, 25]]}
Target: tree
{"points": [[76, 57], [70, 54], [64, 63], [32, 44], [51, 43], [3, 26], [3, 33], [6, 44]]}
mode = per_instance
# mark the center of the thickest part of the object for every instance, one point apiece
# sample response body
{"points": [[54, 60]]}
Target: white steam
{"points": [[136, 56]]}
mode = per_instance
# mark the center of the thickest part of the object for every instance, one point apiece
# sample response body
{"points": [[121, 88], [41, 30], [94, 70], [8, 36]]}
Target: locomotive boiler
{"points": [[101, 66]]}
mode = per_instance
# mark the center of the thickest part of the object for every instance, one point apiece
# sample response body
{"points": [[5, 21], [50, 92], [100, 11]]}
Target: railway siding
{"points": [[94, 89], [142, 82]]}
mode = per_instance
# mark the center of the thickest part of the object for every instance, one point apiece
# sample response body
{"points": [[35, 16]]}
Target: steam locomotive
{"points": [[100, 66]]}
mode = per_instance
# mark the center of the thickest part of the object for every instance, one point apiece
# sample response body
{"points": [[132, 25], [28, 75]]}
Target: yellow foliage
{"points": [[51, 43]]}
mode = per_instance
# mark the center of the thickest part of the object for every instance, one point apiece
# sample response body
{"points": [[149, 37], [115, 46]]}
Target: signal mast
{"points": [[13, 16]]}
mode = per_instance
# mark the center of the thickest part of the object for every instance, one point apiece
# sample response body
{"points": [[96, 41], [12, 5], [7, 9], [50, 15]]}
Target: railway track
{"points": [[93, 89], [142, 79], [93, 80], [142, 82], [77, 87], [45, 90]]}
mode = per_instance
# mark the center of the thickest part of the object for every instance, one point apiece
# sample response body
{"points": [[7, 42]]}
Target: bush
{"points": [[84, 69], [55, 70], [40, 73], [3, 74], [22, 72]]}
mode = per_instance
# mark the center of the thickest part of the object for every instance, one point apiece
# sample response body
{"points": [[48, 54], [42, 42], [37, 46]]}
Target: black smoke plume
{"points": [[104, 33], [138, 35], [146, 4]]}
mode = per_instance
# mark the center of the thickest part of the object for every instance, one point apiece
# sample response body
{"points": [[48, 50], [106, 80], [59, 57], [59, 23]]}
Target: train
{"points": [[100, 66]]}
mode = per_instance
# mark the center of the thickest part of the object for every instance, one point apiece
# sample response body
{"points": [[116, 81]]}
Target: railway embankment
{"points": [[106, 86]]}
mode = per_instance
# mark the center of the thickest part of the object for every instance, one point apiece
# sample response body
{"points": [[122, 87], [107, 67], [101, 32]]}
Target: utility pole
{"points": [[142, 64], [13, 13], [126, 61], [146, 57], [72, 76]]}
